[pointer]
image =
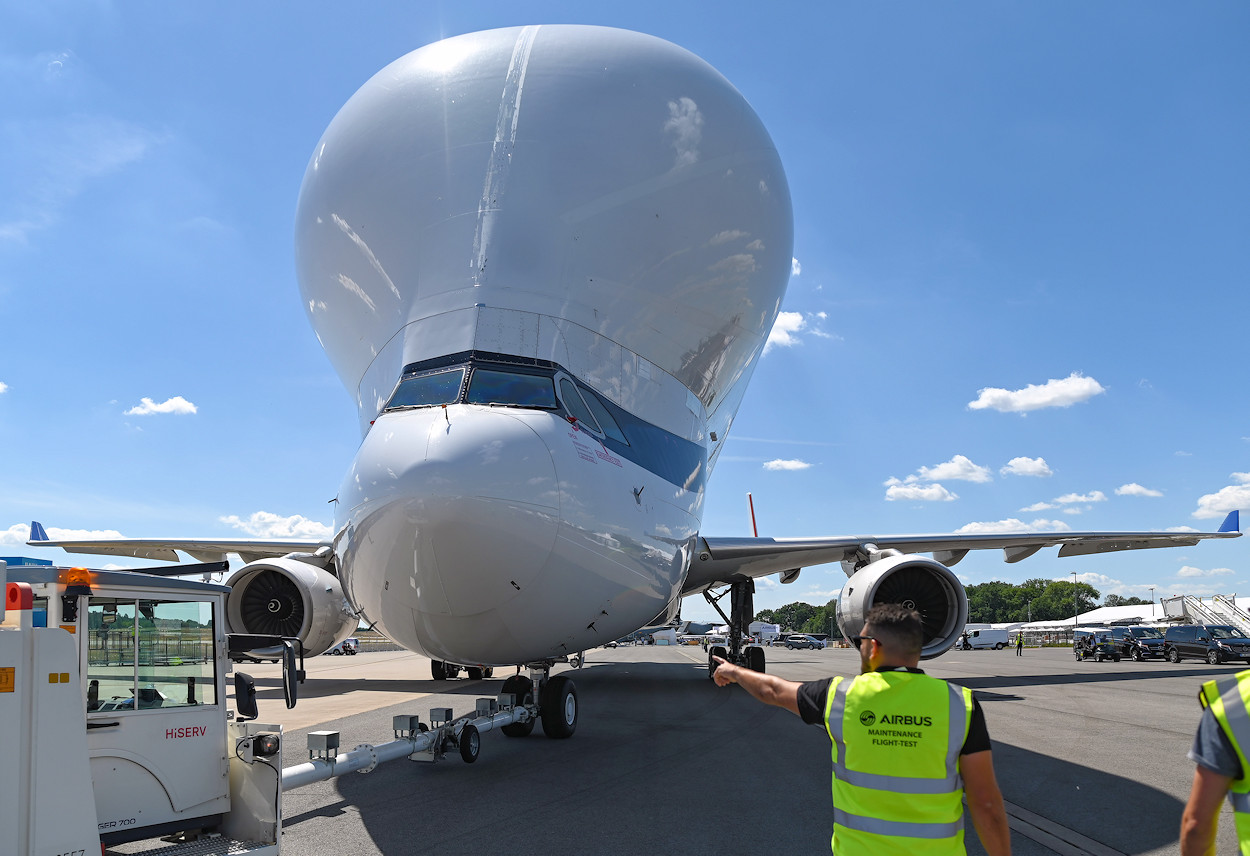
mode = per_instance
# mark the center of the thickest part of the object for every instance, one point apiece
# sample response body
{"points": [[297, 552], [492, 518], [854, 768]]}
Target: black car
{"points": [[1216, 643], [1140, 643]]}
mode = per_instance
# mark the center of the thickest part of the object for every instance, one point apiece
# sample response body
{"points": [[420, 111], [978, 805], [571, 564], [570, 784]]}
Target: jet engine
{"points": [[290, 597], [919, 582]]}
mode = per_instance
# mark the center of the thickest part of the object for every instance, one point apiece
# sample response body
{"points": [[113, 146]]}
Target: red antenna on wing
{"points": [[751, 502]]}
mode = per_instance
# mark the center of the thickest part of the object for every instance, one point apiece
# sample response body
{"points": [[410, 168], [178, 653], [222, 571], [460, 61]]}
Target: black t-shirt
{"points": [[814, 694]]}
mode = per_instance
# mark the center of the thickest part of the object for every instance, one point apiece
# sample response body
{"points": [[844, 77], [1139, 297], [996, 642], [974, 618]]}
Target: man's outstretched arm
{"points": [[769, 689]]}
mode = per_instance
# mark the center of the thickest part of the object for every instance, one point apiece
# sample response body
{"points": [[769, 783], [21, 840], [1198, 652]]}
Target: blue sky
{"points": [[1019, 294]]}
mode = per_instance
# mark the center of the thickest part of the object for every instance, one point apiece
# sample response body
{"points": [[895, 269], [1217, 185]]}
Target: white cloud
{"points": [[789, 325], [1073, 389], [17, 534], [1098, 581], [1092, 496], [1073, 511], [1189, 571], [795, 267], [57, 159], [959, 468], [925, 493], [4, 387], [1012, 526], [147, 407], [1026, 467], [785, 330], [1038, 506], [1226, 498], [1134, 489], [263, 524], [787, 465]]}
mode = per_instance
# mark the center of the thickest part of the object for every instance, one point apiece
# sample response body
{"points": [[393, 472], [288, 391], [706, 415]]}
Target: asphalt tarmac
{"points": [[1090, 758]]}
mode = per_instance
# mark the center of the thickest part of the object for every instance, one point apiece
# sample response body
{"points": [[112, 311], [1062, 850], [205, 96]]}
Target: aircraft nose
{"points": [[460, 506]]}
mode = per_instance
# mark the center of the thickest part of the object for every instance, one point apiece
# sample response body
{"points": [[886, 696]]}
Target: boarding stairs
{"points": [[1219, 609]]}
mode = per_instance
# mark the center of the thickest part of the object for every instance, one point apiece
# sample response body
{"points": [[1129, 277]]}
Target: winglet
{"points": [[37, 533], [1232, 523]]}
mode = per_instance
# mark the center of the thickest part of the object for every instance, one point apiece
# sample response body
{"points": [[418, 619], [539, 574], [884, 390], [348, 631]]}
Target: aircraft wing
{"points": [[722, 560], [165, 549]]}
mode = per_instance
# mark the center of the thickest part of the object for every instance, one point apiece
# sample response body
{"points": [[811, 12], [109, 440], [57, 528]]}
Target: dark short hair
{"points": [[898, 626]]}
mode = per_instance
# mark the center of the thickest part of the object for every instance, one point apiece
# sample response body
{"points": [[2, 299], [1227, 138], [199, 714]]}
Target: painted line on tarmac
{"points": [[1061, 839]]}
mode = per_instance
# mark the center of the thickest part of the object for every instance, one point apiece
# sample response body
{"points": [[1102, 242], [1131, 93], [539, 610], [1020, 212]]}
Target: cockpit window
{"points": [[493, 386], [606, 422], [576, 407], [428, 390]]}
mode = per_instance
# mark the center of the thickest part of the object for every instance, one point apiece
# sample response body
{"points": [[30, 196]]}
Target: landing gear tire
{"points": [[1213, 657], [476, 673], [559, 707], [755, 659], [488, 672], [715, 651], [1174, 655], [470, 744], [523, 689], [438, 670]]}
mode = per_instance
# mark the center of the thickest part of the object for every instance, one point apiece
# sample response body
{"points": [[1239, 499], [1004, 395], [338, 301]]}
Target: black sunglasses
{"points": [[856, 640]]}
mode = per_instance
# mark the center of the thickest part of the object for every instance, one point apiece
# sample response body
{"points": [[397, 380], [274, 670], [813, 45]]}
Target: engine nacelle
{"points": [[290, 597], [916, 581]]}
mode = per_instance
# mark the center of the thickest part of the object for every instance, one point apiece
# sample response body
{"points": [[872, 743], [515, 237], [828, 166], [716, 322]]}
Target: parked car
{"points": [[350, 645], [801, 640], [1094, 645], [1140, 643], [1216, 643]]}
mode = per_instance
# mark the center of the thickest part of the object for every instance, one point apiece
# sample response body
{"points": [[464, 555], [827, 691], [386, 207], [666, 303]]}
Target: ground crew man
{"points": [[1219, 749], [906, 747]]}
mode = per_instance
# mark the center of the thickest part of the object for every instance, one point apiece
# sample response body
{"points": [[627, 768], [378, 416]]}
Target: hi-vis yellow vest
{"points": [[1228, 699], [896, 742]]}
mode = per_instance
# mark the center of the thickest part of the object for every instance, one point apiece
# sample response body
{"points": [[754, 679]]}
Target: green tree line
{"points": [[988, 603], [804, 618]]}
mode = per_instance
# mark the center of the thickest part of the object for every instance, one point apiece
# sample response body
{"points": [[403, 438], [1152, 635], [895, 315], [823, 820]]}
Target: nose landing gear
{"points": [[742, 609], [557, 705]]}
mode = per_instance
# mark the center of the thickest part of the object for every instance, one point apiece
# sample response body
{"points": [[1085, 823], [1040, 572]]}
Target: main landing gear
{"points": [[441, 671], [742, 609]]}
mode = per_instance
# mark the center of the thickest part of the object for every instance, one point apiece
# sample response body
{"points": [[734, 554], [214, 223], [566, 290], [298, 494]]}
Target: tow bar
{"points": [[415, 740]]}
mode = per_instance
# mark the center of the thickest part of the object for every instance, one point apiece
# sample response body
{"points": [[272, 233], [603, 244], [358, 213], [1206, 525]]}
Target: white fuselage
{"points": [[599, 203]]}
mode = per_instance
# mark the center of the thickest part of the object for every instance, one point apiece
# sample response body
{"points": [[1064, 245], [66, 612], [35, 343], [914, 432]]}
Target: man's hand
{"points": [[769, 689], [724, 674]]}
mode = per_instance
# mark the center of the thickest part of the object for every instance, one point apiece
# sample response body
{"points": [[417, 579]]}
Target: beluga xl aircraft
{"points": [[544, 262]]}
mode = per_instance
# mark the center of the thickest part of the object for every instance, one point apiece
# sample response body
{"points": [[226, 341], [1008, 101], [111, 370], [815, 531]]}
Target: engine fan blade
{"points": [[272, 604], [918, 589]]}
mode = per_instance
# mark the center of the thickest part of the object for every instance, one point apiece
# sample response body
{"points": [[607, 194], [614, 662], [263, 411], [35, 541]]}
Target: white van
{"points": [[986, 637]]}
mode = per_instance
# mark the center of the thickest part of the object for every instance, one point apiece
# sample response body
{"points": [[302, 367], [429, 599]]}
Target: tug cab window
{"points": [[428, 390], [149, 654], [510, 389]]}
